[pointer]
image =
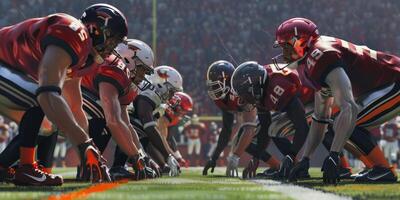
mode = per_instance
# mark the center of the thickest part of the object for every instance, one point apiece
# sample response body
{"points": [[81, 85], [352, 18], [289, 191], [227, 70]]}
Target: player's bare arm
{"points": [[73, 95], [112, 111], [125, 118], [52, 72], [248, 133]]}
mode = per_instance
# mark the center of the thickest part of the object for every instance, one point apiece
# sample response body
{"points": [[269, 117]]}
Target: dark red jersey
{"points": [[367, 69], [231, 103], [22, 45], [281, 88], [115, 72]]}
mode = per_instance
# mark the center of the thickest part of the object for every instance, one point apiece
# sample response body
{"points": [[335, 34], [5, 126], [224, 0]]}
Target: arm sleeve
{"points": [[345, 122], [225, 134], [144, 111], [172, 142], [296, 113], [262, 137]]}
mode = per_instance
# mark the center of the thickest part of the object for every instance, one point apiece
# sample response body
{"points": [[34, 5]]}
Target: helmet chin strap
{"points": [[97, 58]]}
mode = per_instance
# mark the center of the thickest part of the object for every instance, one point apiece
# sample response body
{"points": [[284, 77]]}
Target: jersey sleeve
{"points": [[70, 35], [113, 75], [328, 61]]}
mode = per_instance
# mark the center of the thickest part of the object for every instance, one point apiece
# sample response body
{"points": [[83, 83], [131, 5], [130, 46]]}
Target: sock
{"points": [[274, 163], [27, 155], [377, 158], [344, 162]]}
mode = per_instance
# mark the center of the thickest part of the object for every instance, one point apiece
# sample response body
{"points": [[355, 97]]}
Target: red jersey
{"points": [[22, 45], [194, 131], [231, 103], [281, 88], [116, 73], [367, 69]]}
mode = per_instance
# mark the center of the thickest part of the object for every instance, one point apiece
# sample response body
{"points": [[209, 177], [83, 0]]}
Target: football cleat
{"points": [[377, 174], [365, 170], [7, 175], [120, 172], [345, 173], [31, 175], [269, 173]]}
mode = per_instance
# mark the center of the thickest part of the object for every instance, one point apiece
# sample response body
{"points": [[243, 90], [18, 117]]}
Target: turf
{"points": [[191, 185], [354, 190]]}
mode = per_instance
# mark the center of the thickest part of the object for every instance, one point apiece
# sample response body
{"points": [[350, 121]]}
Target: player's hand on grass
{"points": [[251, 170], [154, 166], [298, 169], [210, 164], [232, 167], [139, 166], [93, 167], [330, 168], [285, 167], [174, 166]]}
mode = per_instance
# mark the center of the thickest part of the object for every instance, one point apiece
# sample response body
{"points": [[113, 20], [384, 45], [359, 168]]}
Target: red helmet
{"points": [[298, 33], [181, 103]]}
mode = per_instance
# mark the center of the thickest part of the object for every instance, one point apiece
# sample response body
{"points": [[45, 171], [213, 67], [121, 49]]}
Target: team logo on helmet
{"points": [[163, 74]]}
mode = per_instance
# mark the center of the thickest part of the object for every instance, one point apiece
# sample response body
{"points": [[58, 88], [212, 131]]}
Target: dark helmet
{"points": [[219, 76], [107, 26], [248, 81]]}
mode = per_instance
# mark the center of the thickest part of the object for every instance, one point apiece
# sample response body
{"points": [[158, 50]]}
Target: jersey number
{"points": [[278, 91], [78, 28]]}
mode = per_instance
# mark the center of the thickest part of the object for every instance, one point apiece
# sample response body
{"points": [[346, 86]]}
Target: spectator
{"points": [[390, 136], [3, 134], [193, 131]]}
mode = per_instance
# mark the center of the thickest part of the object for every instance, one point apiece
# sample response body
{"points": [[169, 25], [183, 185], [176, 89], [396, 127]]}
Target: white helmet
{"points": [[166, 81], [135, 54]]}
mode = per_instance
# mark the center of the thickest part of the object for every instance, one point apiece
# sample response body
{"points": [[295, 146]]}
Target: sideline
{"points": [[298, 192], [85, 192]]}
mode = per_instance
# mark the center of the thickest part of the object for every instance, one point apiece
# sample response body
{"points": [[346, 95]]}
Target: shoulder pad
{"points": [[152, 95]]}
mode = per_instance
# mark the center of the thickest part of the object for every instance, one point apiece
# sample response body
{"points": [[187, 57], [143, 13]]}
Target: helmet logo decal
{"points": [[132, 47], [163, 74], [104, 16]]}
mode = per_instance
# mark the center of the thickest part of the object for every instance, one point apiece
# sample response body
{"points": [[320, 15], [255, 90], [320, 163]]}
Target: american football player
{"points": [[178, 106], [37, 57], [218, 82], [277, 91], [161, 87], [361, 82]]}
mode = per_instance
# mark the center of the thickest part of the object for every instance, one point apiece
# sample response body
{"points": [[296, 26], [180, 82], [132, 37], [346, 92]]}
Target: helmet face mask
{"points": [[217, 89], [218, 79]]}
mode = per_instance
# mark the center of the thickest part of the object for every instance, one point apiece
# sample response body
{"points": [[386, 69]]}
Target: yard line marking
{"points": [[297, 192], [85, 192]]}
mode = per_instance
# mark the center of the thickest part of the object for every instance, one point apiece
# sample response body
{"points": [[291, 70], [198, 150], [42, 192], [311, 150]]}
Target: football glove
{"points": [[251, 170], [232, 167], [154, 166], [174, 166], [93, 167], [330, 168], [285, 167], [210, 164], [298, 169]]}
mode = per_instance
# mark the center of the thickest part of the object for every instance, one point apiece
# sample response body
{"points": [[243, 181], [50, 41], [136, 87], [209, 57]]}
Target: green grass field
{"points": [[191, 185]]}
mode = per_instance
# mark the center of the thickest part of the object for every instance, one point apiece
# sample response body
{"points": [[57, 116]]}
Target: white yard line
{"points": [[297, 192]]}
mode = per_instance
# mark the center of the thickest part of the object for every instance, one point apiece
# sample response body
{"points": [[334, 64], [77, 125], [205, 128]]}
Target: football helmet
{"points": [[138, 57], [181, 103], [248, 81], [294, 36], [166, 81], [107, 27], [219, 74]]}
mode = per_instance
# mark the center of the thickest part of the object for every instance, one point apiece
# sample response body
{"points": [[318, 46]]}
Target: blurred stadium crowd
{"points": [[191, 34]]}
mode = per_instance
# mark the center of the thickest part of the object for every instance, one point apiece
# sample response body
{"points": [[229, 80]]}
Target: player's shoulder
{"points": [[149, 93]]}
